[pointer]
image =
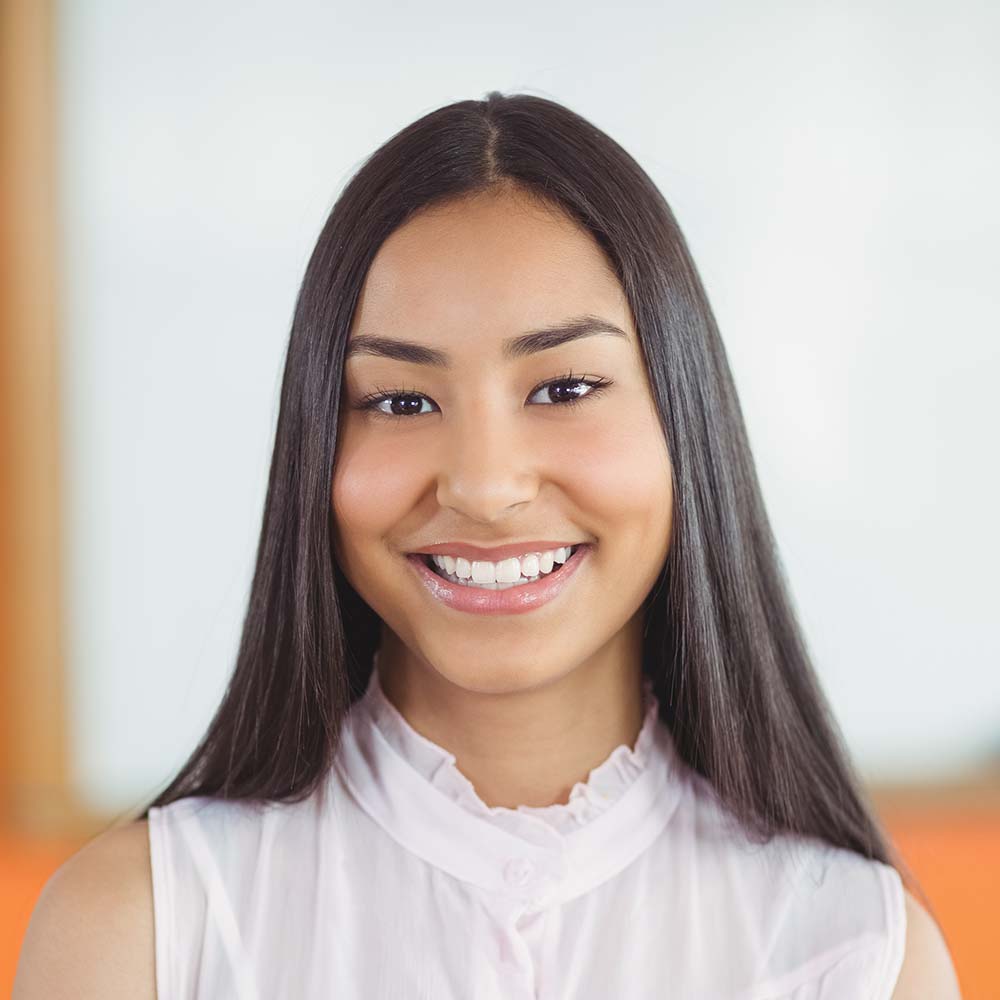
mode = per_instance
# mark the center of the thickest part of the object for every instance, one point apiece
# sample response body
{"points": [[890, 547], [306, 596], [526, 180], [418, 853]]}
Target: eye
{"points": [[571, 390], [568, 390]]}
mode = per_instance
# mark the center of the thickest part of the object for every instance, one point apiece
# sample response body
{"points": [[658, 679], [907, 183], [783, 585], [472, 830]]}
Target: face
{"points": [[560, 444]]}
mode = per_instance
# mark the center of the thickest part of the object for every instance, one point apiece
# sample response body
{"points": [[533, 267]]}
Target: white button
{"points": [[518, 871]]}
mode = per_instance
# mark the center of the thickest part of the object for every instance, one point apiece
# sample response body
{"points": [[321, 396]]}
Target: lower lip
{"points": [[512, 601]]}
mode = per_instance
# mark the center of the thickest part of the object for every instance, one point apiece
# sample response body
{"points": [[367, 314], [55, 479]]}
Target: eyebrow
{"points": [[512, 348]]}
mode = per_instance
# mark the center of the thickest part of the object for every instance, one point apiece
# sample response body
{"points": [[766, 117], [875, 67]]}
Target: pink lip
{"points": [[512, 601]]}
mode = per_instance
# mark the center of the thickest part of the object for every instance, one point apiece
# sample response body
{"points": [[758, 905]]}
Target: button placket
{"points": [[518, 872]]}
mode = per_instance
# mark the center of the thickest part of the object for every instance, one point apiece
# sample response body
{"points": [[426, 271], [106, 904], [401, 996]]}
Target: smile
{"points": [[491, 588], [500, 575]]}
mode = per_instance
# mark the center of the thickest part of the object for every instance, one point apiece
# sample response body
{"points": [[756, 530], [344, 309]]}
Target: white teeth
{"points": [[508, 570], [505, 573]]}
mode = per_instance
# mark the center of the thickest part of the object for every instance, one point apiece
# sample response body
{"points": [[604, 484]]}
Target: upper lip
{"points": [[474, 552]]}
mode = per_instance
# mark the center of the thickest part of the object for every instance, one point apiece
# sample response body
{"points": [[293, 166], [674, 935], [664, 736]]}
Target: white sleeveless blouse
{"points": [[395, 881]]}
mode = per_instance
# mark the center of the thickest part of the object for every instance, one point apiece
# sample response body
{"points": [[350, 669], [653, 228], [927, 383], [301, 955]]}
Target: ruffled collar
{"points": [[588, 799]]}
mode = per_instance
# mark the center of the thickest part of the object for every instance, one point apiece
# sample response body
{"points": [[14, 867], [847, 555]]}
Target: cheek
{"points": [[622, 472], [368, 495], [625, 495]]}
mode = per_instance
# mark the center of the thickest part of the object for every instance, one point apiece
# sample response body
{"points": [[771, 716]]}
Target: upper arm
{"points": [[91, 933], [927, 968]]}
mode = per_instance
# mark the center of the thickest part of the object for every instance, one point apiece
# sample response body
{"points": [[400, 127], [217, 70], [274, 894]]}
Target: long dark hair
{"points": [[722, 644]]}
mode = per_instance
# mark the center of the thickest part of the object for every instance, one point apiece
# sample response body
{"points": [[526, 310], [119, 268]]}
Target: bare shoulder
{"points": [[91, 933], [927, 967]]}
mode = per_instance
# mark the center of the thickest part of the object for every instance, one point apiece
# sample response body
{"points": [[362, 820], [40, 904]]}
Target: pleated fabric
{"points": [[395, 881]]}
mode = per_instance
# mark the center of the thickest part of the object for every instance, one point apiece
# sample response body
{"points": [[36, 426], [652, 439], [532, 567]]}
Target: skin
{"points": [[528, 703]]}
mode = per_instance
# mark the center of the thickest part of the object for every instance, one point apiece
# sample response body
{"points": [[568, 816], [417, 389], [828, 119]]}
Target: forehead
{"points": [[494, 264]]}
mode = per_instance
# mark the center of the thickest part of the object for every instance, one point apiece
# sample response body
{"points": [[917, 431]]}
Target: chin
{"points": [[490, 675]]}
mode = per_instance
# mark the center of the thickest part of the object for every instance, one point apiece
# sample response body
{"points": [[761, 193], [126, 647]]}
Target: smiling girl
{"points": [[521, 706]]}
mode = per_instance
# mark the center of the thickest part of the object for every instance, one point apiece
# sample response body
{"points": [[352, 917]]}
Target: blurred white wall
{"points": [[834, 172]]}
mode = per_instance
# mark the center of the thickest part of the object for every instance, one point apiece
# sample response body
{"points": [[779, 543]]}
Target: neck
{"points": [[527, 747]]}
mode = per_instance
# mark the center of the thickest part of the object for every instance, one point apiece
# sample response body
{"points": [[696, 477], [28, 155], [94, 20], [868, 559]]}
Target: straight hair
{"points": [[722, 644]]}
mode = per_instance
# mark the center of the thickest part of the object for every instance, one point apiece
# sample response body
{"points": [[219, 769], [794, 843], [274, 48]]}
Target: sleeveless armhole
{"points": [[894, 902], [843, 935], [163, 903]]}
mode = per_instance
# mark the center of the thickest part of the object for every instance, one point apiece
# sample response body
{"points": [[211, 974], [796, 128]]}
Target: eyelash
{"points": [[369, 402]]}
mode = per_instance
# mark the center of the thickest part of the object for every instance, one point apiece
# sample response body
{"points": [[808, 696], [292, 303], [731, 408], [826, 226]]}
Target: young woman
{"points": [[521, 707]]}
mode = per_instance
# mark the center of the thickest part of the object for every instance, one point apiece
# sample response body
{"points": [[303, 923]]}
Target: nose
{"points": [[486, 465]]}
